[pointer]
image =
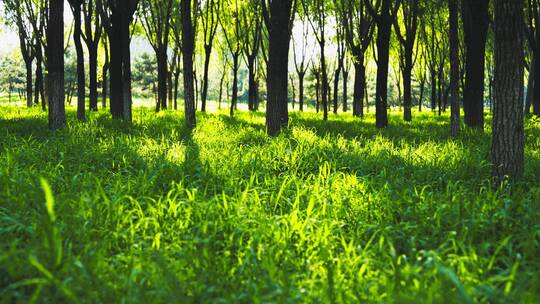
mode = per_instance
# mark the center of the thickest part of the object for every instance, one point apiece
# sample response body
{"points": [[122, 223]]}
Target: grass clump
{"points": [[327, 212]]}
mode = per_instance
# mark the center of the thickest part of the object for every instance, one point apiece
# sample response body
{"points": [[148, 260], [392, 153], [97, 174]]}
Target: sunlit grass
{"points": [[328, 211]]}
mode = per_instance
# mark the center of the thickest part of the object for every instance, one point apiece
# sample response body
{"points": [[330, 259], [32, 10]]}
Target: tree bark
{"points": [[301, 91], [188, 43], [278, 22], [384, 26], [454, 68], [81, 81], [55, 57], [475, 15], [507, 152], [359, 89], [204, 94]]}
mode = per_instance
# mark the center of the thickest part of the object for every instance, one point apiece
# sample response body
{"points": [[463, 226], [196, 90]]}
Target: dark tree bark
{"points": [[383, 18], [92, 36], [410, 10], [210, 24], [475, 15], [278, 18], [507, 152], [157, 25], [346, 71], [454, 68], [359, 89], [188, 49], [55, 67], [116, 18], [105, 73], [81, 80]]}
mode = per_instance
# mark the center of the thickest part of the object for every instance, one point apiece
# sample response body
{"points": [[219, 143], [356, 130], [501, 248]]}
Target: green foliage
{"points": [[326, 212]]}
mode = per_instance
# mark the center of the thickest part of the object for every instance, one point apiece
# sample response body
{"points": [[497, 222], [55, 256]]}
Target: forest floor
{"points": [[331, 211]]}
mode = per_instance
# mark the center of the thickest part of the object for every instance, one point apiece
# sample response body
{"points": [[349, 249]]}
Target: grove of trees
{"points": [[479, 55]]}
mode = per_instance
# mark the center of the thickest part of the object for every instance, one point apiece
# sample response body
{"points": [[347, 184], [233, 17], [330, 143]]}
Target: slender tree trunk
{"points": [[508, 143], [207, 54], [324, 82], [162, 76], [234, 98], [55, 58], [188, 43], [29, 81], [336, 88], [454, 68], [92, 73], [105, 72], [39, 79], [407, 83], [433, 81], [279, 35], [421, 98], [301, 91], [536, 88], [81, 81], [318, 91], [126, 70], [252, 90], [345, 91], [530, 87], [359, 88]]}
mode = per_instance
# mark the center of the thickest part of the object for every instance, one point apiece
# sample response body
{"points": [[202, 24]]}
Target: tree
{"points": [[454, 67], [300, 64], [81, 83], [507, 152], [410, 10], [15, 11], [92, 35], [533, 38], [278, 18], [230, 23], [55, 67], [359, 27], [157, 25], [116, 16], [383, 14], [316, 11], [209, 12], [188, 49], [475, 15], [251, 22]]}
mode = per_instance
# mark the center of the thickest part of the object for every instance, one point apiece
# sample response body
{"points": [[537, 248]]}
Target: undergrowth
{"points": [[337, 211]]}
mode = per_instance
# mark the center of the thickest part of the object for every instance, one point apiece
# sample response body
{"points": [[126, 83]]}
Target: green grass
{"points": [[327, 212]]}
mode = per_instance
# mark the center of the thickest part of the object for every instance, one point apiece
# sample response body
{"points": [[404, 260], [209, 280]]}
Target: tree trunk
{"points": [[55, 57], [345, 91], [188, 43], [475, 15], [126, 68], [105, 72], [29, 80], [162, 76], [39, 79], [359, 88], [324, 82], [508, 143], [336, 88], [536, 88], [433, 81], [530, 87], [384, 27], [116, 90], [407, 83], [81, 82], [234, 97], [301, 91], [454, 68], [252, 85], [279, 35], [204, 95], [92, 73]]}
